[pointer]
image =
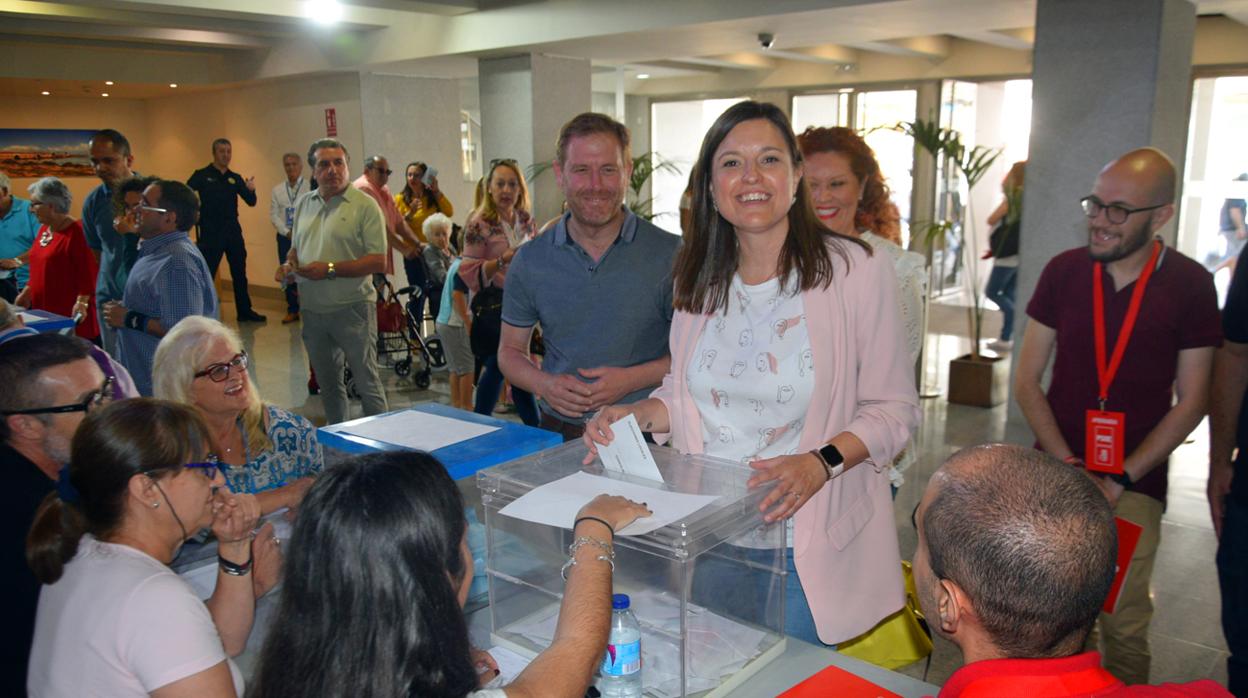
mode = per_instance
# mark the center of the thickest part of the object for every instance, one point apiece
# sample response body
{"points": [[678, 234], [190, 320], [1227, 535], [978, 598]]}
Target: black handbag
{"points": [[487, 318], [1003, 240]]}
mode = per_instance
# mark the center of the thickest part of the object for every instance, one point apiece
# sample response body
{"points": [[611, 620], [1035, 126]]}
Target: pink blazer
{"points": [[845, 539]]}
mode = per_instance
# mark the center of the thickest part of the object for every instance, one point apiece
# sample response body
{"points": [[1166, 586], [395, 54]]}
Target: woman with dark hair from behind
{"points": [[113, 619], [376, 579], [788, 354]]}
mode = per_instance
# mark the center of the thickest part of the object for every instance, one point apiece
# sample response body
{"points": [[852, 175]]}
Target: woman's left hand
{"points": [[800, 476]]}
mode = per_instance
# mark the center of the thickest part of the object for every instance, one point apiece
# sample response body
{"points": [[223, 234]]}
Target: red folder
{"points": [[835, 681], [1128, 538]]}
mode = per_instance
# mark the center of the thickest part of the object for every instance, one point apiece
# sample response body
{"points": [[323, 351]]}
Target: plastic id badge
{"points": [[1103, 452], [290, 217]]}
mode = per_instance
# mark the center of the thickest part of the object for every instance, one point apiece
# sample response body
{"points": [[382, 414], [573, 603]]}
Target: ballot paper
{"points": [[510, 664], [419, 430], [557, 503], [628, 452], [28, 318]]}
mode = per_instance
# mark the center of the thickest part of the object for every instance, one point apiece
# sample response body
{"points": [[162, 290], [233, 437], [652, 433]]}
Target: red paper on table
{"points": [[835, 681], [1128, 538]]}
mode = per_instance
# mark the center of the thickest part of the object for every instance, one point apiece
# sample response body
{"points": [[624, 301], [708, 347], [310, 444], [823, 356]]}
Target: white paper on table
{"points": [[419, 430], [28, 318], [628, 453], [557, 503], [510, 664]]}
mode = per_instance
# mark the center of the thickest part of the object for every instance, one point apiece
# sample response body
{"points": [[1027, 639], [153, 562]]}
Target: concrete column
{"points": [[1109, 76], [524, 101], [410, 119]]}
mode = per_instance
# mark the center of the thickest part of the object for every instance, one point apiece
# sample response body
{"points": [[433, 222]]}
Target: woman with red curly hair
{"points": [[850, 197]]}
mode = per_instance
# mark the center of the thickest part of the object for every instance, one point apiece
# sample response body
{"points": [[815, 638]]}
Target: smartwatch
{"points": [[330, 272], [833, 461]]}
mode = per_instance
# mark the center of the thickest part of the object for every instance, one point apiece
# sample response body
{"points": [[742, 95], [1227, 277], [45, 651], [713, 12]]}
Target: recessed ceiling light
{"points": [[108, 82], [173, 84], [103, 94], [45, 93], [643, 76], [323, 11]]}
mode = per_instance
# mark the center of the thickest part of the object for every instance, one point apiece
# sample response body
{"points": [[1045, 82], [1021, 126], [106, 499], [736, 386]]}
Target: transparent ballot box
{"points": [[707, 588]]}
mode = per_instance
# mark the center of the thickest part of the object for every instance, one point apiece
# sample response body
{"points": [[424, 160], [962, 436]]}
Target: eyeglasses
{"points": [[503, 161], [385, 172], [153, 209], [219, 372], [208, 467], [96, 398], [1115, 213]]}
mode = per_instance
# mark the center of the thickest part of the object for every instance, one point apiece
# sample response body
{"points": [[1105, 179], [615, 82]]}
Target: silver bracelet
{"points": [[563, 572], [586, 540]]}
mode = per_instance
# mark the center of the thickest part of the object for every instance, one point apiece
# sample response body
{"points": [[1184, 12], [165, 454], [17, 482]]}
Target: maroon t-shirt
{"points": [[1179, 311]]}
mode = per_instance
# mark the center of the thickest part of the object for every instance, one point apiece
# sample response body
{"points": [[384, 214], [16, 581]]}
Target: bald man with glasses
{"points": [[1132, 325]]}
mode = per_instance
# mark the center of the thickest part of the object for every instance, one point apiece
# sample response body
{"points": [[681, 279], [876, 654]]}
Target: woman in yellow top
{"points": [[420, 199]]}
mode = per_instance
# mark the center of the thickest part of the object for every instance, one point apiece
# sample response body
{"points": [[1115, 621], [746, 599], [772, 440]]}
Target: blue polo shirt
{"points": [[616, 311], [117, 252], [17, 234], [169, 281]]}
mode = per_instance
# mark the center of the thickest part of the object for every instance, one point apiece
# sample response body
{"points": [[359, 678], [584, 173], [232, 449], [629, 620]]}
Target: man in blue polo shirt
{"points": [[599, 284], [112, 160], [17, 234], [169, 281]]}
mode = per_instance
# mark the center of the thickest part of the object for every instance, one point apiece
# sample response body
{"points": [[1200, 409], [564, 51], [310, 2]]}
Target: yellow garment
{"points": [[415, 216], [900, 639]]}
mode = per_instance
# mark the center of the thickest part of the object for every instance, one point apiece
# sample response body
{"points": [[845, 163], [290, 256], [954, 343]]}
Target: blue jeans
{"points": [[1000, 290], [490, 384], [722, 585], [1232, 561]]}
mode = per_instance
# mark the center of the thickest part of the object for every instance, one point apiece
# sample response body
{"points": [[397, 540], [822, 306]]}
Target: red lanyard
{"points": [[1105, 373]]}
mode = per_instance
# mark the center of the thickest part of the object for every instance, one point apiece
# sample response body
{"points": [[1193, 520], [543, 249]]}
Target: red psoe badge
{"points": [[1103, 452]]}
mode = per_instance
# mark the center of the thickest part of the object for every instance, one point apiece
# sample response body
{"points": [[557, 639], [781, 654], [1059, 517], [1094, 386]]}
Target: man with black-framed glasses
{"points": [[1132, 325], [49, 382], [169, 281]]}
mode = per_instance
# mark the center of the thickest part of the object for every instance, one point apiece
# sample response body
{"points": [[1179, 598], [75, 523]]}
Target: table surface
{"points": [[464, 459], [47, 322]]}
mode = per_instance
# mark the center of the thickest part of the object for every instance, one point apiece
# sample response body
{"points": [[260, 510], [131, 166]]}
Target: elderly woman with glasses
{"points": [[274, 453], [113, 619], [62, 269]]}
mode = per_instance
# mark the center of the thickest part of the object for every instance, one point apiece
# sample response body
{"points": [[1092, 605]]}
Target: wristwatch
{"points": [[331, 273], [833, 461], [1123, 478]]}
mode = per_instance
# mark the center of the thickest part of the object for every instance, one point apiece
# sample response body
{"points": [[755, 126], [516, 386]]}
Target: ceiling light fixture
{"points": [[103, 94], [108, 82], [45, 93], [324, 12], [643, 76], [173, 84]]}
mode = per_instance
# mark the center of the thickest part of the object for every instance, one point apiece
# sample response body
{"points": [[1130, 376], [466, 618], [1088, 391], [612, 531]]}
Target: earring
{"points": [[155, 504]]}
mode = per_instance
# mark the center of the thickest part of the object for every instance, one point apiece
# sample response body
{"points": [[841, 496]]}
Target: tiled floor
{"points": [[1186, 633]]}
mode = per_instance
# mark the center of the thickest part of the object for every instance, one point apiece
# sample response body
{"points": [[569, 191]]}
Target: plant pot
{"points": [[982, 382]]}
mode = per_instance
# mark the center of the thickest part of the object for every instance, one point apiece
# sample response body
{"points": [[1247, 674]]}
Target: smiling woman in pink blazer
{"points": [[788, 353]]}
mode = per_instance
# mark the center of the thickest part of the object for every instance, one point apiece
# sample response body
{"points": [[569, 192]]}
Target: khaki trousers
{"points": [[349, 332], [1125, 632]]}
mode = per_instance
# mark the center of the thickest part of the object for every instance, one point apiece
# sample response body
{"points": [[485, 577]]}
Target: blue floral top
{"points": [[295, 454]]}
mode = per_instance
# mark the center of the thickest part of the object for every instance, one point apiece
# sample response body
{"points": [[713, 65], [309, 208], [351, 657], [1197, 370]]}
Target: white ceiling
{"points": [[149, 43]]}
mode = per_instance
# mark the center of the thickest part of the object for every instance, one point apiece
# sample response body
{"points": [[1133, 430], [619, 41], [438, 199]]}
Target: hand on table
{"points": [[798, 477], [617, 511], [485, 664], [266, 553]]}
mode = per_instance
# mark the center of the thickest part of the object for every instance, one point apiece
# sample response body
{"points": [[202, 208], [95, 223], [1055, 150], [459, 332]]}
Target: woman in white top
{"points": [[851, 197], [114, 620], [376, 580]]}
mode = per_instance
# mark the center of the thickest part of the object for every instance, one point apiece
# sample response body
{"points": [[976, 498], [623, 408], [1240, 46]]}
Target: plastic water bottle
{"points": [[621, 667]]}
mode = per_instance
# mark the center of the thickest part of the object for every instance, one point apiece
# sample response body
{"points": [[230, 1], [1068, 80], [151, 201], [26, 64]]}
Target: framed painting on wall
{"points": [[45, 152]]}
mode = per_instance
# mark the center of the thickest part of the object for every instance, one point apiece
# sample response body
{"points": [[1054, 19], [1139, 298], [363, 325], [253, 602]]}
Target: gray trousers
{"points": [[350, 332]]}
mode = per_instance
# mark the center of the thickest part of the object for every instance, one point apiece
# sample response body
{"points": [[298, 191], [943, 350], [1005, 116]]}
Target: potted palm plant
{"points": [[974, 379]]}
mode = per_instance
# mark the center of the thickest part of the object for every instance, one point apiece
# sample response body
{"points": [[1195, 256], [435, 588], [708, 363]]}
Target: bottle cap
{"points": [[619, 601]]}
